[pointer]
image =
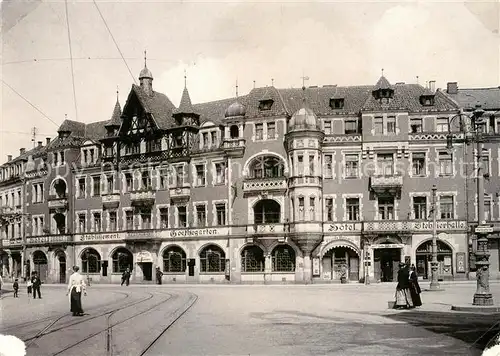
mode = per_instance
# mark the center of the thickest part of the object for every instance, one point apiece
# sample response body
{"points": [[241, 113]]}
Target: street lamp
{"points": [[473, 133], [434, 286]]}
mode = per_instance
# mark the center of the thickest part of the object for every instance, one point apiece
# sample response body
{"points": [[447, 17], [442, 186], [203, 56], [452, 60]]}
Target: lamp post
{"points": [[434, 286], [473, 133]]}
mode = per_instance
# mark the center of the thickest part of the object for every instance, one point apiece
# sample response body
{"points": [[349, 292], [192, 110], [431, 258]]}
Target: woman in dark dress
{"points": [[415, 287], [403, 297]]}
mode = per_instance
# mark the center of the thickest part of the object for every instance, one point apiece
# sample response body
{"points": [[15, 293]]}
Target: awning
{"points": [[339, 244]]}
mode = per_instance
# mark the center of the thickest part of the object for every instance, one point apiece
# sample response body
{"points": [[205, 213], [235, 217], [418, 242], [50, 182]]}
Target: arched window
{"points": [[267, 167], [59, 188], [234, 131], [267, 211], [212, 259], [252, 259], [283, 259], [39, 258], [174, 260], [122, 259], [91, 261]]}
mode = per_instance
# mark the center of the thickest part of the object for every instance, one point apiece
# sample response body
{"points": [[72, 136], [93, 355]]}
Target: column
{"points": [[307, 268], [267, 268], [11, 262]]}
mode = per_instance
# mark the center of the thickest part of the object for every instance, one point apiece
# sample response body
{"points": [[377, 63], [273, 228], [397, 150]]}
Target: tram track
{"points": [[45, 331], [50, 318], [110, 326]]}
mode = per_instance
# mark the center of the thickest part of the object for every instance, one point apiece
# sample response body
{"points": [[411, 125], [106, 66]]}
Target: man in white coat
{"points": [[76, 286]]}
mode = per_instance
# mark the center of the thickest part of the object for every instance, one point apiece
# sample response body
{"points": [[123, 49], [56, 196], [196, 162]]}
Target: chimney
{"points": [[22, 150], [39, 143], [432, 85], [48, 140], [9, 158], [452, 88]]}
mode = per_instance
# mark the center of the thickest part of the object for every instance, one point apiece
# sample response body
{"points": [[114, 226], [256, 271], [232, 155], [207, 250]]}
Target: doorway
{"points": [[62, 267], [386, 263], [147, 270]]}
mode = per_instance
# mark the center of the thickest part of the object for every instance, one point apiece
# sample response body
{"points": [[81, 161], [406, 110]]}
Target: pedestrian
{"points": [[415, 287], [36, 282], [403, 296], [15, 286], [29, 286], [126, 277], [1, 283], [76, 286], [159, 274]]}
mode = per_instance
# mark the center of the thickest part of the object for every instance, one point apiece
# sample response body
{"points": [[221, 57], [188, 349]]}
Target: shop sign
{"points": [[47, 239], [197, 232], [386, 246], [316, 266], [344, 227], [441, 225], [144, 257], [98, 237], [141, 235]]}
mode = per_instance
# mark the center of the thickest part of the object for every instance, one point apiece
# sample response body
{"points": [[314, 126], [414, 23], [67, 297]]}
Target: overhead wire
{"points": [[30, 103], [71, 58], [81, 58], [113, 38]]}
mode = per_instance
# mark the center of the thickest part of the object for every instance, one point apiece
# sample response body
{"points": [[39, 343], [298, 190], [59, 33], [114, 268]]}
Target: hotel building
{"points": [[276, 186]]}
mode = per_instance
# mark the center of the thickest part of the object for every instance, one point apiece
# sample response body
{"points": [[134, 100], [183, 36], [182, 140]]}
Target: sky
{"points": [[224, 42]]}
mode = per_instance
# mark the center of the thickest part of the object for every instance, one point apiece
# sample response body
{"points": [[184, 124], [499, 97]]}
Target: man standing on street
{"points": [[36, 282], [126, 277], [159, 274]]}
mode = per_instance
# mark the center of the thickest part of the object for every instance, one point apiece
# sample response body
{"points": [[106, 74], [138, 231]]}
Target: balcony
{"points": [[152, 156], [387, 184], [111, 200], [266, 229], [180, 194], [143, 198], [234, 146], [58, 202], [264, 185]]}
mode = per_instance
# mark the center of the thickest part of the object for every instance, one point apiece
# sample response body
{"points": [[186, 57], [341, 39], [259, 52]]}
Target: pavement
{"points": [[349, 319]]}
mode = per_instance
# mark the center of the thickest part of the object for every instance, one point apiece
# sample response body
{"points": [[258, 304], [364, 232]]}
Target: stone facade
{"points": [[277, 186]]}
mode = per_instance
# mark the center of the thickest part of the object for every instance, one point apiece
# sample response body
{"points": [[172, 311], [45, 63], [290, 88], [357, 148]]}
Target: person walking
{"points": [[415, 287], [76, 286], [29, 286], [15, 286], [126, 277], [159, 274], [36, 282], [403, 297]]}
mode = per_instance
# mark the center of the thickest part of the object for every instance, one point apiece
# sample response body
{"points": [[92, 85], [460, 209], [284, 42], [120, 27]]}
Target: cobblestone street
{"points": [[348, 319]]}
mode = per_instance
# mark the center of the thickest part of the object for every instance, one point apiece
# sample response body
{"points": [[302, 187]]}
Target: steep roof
{"points": [[156, 104], [185, 106], [214, 110], [488, 98], [75, 127], [115, 116], [383, 83]]}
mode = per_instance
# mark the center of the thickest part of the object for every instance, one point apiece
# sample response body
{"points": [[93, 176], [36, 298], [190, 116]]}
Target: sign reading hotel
{"points": [[155, 234], [343, 227]]}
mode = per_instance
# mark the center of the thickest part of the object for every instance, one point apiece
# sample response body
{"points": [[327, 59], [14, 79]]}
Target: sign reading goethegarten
{"points": [[209, 231]]}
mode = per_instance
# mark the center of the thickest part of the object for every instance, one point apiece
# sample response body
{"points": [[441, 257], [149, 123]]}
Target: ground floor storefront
{"points": [[350, 256]]}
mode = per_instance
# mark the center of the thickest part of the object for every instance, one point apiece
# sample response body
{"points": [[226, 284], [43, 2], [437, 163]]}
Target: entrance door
{"points": [[147, 271], [62, 269], [386, 263]]}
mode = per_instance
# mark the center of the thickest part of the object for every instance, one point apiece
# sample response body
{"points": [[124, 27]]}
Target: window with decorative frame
{"points": [[420, 208], [220, 169], [301, 209], [220, 213], [283, 259], [174, 260], [442, 124], [129, 219], [271, 130], [416, 125], [201, 215], [96, 221], [386, 208], [446, 207], [329, 209], [91, 261], [445, 163], [163, 218], [312, 208], [259, 131], [82, 223], [82, 185], [200, 175], [378, 125], [328, 166], [418, 164], [122, 259], [327, 127], [351, 165], [212, 259], [97, 186], [252, 259], [112, 221], [391, 125], [351, 127], [182, 216], [352, 209]]}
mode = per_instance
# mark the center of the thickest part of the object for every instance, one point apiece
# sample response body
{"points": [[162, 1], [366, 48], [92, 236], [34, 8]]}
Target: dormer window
{"points": [[266, 104], [337, 103], [427, 100], [383, 94]]}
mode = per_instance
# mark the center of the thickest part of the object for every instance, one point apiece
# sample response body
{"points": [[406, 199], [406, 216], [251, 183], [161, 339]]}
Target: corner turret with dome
{"points": [[303, 119], [146, 78]]}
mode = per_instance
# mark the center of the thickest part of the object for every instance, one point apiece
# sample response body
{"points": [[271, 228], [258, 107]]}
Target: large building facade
{"points": [[277, 186]]}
